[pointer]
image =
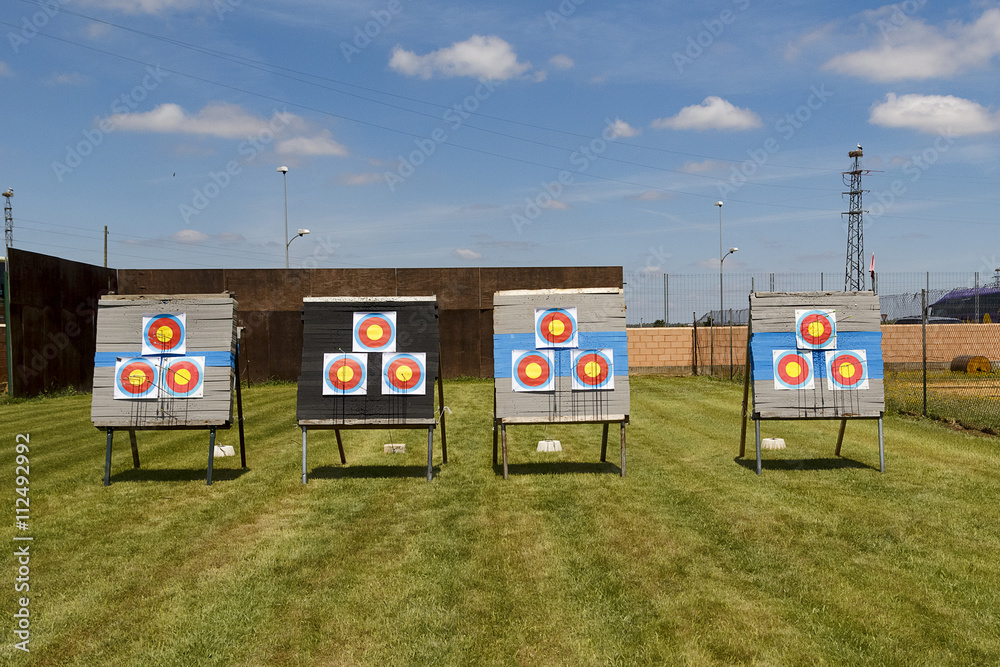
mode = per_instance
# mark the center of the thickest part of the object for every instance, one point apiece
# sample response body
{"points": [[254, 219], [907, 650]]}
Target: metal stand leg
{"points": [[604, 444], [623, 446], [211, 455], [881, 447], [135, 447], [107, 458], [840, 436], [495, 433], [303, 454], [503, 440], [340, 446], [430, 453], [756, 426]]}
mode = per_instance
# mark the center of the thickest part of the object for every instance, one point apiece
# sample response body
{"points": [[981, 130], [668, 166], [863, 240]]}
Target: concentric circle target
{"points": [[404, 373], [164, 334], [793, 370], [345, 373], [847, 369], [555, 327], [532, 370], [135, 378], [184, 377], [815, 329], [593, 369], [374, 332]]}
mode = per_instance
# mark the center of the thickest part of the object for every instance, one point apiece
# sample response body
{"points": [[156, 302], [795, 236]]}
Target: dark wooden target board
{"points": [[402, 364], [182, 380]]}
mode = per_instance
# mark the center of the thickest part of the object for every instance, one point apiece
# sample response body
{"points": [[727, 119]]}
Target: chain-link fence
{"points": [[947, 366]]}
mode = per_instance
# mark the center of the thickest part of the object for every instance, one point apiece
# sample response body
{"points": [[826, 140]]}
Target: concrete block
{"points": [[549, 446], [772, 443], [394, 448], [224, 450]]}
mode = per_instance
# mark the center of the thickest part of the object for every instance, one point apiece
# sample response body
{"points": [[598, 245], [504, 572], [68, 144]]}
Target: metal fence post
{"points": [[923, 327]]}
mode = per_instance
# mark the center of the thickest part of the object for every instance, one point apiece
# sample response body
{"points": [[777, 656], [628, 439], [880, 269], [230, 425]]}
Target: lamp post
{"points": [[301, 232], [731, 251], [284, 181]]}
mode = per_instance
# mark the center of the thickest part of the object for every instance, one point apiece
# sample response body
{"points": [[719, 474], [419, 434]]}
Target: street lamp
{"points": [[302, 232], [721, 311], [284, 180]]}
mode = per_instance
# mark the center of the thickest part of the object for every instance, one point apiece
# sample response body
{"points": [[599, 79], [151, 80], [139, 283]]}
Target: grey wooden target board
{"points": [[165, 362], [814, 355], [352, 378], [560, 356]]}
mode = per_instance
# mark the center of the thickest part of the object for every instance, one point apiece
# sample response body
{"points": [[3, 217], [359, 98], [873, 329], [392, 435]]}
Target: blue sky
{"points": [[570, 132]]}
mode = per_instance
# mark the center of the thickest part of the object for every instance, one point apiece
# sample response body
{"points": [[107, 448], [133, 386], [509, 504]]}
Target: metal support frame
{"points": [[134, 446], [340, 443], [840, 437], [500, 427]]}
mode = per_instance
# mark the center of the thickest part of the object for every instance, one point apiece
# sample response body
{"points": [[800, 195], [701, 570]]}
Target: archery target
{"points": [[135, 377], [847, 369], [345, 374], [816, 329], [532, 370], [555, 327], [404, 373], [793, 369], [184, 377], [164, 334], [374, 332], [593, 369]]}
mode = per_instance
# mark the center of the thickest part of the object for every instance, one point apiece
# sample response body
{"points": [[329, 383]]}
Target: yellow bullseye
{"points": [[345, 373], [556, 327], [592, 369], [404, 373], [183, 376], [374, 332], [164, 334], [816, 329], [136, 378], [533, 370], [793, 369], [847, 370]]}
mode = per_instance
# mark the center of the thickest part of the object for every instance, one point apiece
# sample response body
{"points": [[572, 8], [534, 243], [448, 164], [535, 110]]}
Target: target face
{"points": [[532, 370], [593, 369], [374, 332], [555, 327], [793, 369], [816, 329], [135, 377], [404, 373], [164, 334], [847, 369], [345, 374], [184, 377]]}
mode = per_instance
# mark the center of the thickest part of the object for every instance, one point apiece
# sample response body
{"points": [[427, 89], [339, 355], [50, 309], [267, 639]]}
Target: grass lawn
{"points": [[692, 559]]}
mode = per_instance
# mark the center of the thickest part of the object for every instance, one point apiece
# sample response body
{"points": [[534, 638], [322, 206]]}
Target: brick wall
{"points": [[670, 350]]}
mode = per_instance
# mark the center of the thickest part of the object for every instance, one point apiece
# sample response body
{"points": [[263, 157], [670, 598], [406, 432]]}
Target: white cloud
{"points": [[620, 128], [228, 121], [366, 178], [478, 57], [69, 78], [934, 113], [465, 253], [796, 48], [5, 69], [707, 164], [320, 144], [714, 113], [140, 6], [189, 236], [651, 269], [555, 205], [561, 61], [916, 50], [650, 195]]}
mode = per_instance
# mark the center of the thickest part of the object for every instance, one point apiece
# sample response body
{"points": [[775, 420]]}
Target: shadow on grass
{"points": [[558, 468], [177, 474], [369, 472], [835, 463]]}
